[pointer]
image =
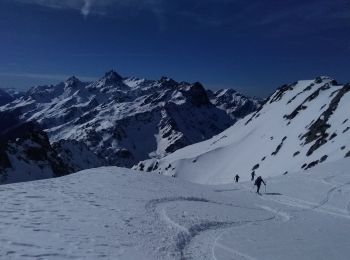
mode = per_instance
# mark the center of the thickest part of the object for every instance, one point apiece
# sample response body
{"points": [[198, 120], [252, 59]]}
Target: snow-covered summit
{"points": [[301, 125], [233, 102], [124, 120]]}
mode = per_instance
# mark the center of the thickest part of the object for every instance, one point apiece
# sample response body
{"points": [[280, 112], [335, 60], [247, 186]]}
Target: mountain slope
{"points": [[300, 125], [8, 95], [124, 120], [25, 152], [234, 103]]}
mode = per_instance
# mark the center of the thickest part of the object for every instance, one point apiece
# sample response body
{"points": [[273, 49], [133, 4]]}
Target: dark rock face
{"points": [[26, 144], [7, 95], [280, 92], [5, 98], [77, 156], [197, 95]]}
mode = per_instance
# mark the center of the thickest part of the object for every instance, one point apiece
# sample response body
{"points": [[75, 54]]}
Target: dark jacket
{"points": [[258, 181]]}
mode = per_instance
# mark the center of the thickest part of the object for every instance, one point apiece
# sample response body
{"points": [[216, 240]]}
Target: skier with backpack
{"points": [[258, 182], [237, 177]]}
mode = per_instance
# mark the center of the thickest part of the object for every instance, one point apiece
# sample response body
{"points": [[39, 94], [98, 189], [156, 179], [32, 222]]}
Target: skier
{"points": [[253, 175], [258, 182], [237, 177]]}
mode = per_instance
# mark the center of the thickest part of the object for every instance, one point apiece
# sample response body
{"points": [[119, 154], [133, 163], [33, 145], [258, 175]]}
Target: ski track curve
{"points": [[185, 235], [305, 205]]}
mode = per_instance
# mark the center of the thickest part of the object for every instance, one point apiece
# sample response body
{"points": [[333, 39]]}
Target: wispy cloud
{"points": [[85, 10], [87, 7]]}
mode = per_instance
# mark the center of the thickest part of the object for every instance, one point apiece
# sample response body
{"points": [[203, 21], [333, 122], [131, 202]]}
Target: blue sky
{"points": [[253, 46]]}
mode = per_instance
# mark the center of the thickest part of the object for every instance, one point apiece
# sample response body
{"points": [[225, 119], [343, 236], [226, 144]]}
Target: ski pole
{"points": [[265, 188]]}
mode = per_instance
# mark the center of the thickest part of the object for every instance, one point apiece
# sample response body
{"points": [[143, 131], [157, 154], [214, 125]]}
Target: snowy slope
{"points": [[300, 125], [114, 213], [125, 120]]}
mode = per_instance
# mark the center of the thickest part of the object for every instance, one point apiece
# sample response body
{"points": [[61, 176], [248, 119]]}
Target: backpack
{"points": [[257, 181]]}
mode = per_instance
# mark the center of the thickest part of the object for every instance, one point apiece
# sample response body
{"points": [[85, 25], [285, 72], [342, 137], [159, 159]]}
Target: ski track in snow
{"points": [[284, 215], [230, 250], [187, 234], [224, 190], [319, 207]]}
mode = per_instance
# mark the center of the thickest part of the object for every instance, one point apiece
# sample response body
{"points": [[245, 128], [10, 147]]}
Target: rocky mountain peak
{"points": [[197, 94], [112, 77], [72, 80]]}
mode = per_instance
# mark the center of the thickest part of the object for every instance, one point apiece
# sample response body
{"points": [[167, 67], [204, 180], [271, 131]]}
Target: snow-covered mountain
{"points": [[126, 120], [234, 103], [301, 125], [25, 152]]}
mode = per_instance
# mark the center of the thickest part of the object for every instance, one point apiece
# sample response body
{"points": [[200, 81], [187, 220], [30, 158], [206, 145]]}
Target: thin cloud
{"points": [[87, 7]]}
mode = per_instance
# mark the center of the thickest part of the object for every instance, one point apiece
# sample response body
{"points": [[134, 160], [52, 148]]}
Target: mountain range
{"points": [[123, 120]]}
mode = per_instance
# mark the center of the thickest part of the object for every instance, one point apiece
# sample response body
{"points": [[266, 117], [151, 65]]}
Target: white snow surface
{"points": [[266, 141], [115, 213]]}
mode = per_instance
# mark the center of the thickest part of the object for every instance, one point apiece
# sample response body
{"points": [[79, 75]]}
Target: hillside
{"points": [[300, 126]]}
